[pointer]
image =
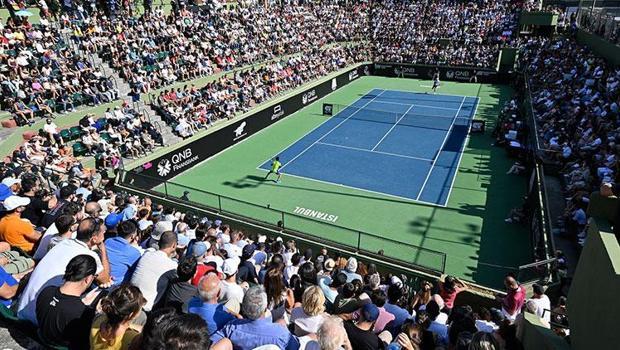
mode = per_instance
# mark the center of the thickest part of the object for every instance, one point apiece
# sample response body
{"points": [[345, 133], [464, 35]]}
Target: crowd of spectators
{"points": [[575, 97], [189, 109], [155, 50], [443, 32], [41, 74], [102, 269]]}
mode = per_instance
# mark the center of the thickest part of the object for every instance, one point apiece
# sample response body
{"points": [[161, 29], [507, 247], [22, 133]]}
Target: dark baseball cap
{"points": [[370, 312]]}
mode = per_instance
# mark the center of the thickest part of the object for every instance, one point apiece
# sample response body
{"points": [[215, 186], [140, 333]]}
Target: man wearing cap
{"points": [[14, 230], [351, 270], [199, 251], [231, 294], [13, 184], [159, 228], [247, 269], [361, 333], [122, 254]]}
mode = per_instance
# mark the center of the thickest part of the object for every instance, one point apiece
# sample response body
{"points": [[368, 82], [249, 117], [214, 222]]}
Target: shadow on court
{"points": [[253, 181]]}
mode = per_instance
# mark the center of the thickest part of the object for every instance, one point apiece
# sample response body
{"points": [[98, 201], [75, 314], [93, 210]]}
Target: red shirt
{"points": [[514, 300], [449, 297], [202, 270]]}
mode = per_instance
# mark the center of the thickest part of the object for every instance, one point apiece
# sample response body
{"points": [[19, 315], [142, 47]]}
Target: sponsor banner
{"points": [[177, 161], [462, 74]]}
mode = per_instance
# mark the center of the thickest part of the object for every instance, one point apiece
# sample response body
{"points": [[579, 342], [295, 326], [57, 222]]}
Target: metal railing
{"points": [[540, 223], [319, 230], [599, 22]]}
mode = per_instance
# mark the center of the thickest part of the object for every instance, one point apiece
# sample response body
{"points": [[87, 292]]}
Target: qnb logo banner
{"points": [[176, 161], [240, 131]]}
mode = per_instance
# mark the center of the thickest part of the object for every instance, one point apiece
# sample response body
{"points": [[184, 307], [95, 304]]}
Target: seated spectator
{"points": [[309, 317], [8, 287], [122, 252], [231, 293], [172, 331], [64, 318], [449, 288], [351, 270], [206, 306], [49, 271], [180, 290], [121, 321], [361, 333], [14, 230], [255, 329], [152, 266]]}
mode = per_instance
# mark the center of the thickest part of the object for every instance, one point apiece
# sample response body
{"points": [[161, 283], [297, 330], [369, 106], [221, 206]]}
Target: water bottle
{"points": [[393, 346]]}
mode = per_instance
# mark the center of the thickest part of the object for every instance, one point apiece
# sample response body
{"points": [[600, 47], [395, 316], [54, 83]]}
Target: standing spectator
{"points": [[542, 302], [255, 329], [206, 306], [514, 299], [394, 294], [152, 266], [117, 326], [64, 318]]}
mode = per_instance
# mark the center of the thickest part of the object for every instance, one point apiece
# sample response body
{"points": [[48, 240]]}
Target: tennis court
{"points": [[398, 143], [468, 226]]}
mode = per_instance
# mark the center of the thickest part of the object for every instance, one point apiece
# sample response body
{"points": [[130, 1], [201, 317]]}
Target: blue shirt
{"points": [[400, 314], [10, 281], [248, 334], [122, 257], [214, 314]]}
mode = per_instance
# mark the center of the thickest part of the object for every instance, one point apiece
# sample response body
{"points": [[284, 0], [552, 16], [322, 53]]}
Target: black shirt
{"points": [[35, 210], [178, 294], [49, 217], [361, 339], [64, 319], [247, 272]]}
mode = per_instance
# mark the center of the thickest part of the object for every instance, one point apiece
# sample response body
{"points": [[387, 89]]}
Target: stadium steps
{"points": [[123, 90]]}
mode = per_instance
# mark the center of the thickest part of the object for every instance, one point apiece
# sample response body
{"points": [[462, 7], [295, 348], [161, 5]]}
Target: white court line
{"points": [[440, 148], [392, 128], [458, 165], [330, 131], [427, 94], [371, 151], [416, 105], [321, 124], [411, 200]]}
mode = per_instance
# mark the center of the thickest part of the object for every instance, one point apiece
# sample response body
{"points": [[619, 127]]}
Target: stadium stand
{"points": [[157, 276]]}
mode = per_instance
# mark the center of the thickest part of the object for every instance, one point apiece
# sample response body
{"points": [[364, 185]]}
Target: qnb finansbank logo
{"points": [[176, 162]]}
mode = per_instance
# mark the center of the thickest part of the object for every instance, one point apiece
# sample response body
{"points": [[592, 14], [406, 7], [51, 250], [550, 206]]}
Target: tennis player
{"points": [[436, 82], [275, 169]]}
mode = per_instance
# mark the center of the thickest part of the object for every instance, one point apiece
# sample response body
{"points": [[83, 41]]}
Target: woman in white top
{"points": [[309, 317]]}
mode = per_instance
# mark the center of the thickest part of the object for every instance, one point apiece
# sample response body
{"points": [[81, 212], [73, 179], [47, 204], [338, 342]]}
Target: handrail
{"points": [[282, 216]]}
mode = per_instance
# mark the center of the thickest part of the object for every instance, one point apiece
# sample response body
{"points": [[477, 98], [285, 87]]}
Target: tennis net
{"points": [[418, 117]]}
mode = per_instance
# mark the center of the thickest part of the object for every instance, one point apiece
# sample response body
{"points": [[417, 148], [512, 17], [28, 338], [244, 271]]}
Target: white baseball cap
{"points": [[14, 202], [230, 266], [10, 181]]}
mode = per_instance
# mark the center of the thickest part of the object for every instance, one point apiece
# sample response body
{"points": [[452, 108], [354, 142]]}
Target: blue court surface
{"points": [[398, 143]]}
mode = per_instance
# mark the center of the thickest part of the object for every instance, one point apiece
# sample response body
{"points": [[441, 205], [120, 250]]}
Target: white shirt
{"points": [[49, 272], [50, 128], [233, 250], [542, 304], [486, 326], [151, 267], [231, 294], [45, 241]]}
